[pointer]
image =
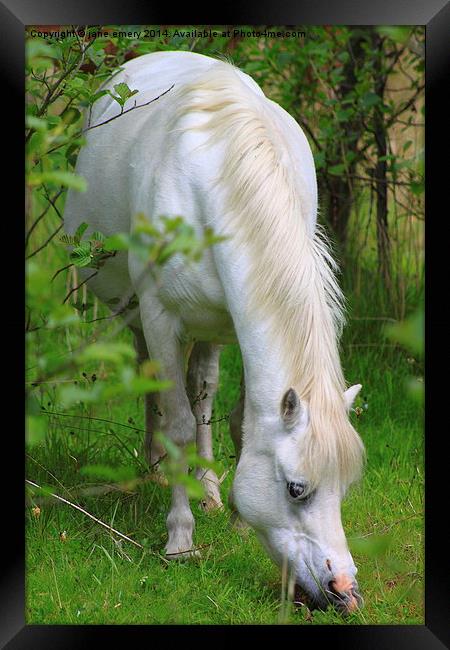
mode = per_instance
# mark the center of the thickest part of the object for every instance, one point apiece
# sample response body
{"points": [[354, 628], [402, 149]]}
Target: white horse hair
{"points": [[218, 152], [291, 281]]}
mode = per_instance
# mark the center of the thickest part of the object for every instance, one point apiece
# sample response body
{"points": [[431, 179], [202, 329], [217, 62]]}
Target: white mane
{"points": [[292, 280]]}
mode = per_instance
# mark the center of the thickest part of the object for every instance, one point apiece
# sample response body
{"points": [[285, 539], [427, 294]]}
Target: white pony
{"points": [[217, 152]]}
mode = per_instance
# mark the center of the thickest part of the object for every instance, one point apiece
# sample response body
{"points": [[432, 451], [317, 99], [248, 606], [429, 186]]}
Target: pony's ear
{"points": [[350, 395], [291, 407]]}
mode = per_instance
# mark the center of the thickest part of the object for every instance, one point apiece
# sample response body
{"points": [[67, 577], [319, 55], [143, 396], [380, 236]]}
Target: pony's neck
{"points": [[265, 377]]}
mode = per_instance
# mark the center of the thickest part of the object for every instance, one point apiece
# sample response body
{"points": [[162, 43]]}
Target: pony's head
{"points": [[294, 502]]}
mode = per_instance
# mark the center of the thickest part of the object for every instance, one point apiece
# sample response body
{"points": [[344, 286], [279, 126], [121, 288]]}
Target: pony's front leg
{"points": [[153, 449], [202, 382], [176, 420], [236, 421]]}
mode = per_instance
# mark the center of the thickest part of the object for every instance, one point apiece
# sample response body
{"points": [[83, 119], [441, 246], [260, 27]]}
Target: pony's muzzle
{"points": [[344, 594]]}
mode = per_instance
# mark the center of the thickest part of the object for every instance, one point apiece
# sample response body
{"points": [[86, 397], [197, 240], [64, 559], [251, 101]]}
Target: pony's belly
{"points": [[193, 293], [200, 317], [214, 327]]}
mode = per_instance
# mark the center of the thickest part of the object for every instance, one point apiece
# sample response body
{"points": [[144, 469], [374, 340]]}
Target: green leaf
{"points": [[194, 460], [174, 452], [319, 159], [36, 429], [116, 352], [336, 170], [172, 223], [398, 34], [107, 473], [37, 47], [407, 145], [417, 187], [81, 254], [82, 260], [123, 92], [254, 66], [416, 389], [40, 64], [135, 387], [180, 244], [144, 226], [71, 154], [68, 239], [67, 179], [373, 546], [122, 89], [81, 230], [70, 116], [36, 123], [370, 99], [97, 236], [194, 487], [410, 332], [118, 242], [343, 115], [98, 95], [70, 395], [343, 56], [420, 67], [62, 315], [284, 58]]}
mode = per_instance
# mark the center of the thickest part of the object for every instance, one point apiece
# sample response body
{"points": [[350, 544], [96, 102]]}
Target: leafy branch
{"points": [[121, 99]]}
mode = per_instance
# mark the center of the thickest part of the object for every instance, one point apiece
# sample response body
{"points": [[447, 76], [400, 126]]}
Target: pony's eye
{"points": [[297, 490]]}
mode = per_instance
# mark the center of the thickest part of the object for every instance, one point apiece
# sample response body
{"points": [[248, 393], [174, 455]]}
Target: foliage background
{"points": [[358, 94]]}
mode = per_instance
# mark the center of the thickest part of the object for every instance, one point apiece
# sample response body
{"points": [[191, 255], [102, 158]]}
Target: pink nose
{"points": [[343, 584]]}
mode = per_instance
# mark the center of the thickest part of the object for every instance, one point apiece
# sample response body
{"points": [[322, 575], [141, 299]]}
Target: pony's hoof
{"points": [[210, 503], [157, 476], [182, 555]]}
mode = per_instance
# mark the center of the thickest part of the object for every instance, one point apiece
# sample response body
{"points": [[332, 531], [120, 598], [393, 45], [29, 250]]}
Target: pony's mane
{"points": [[292, 279]]}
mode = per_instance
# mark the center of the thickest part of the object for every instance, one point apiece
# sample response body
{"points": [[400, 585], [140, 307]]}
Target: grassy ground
{"points": [[92, 578]]}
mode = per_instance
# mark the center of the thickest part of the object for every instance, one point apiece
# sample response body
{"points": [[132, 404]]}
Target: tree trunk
{"points": [[339, 204], [380, 176], [339, 189]]}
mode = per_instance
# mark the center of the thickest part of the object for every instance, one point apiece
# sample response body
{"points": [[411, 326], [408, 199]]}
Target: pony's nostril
{"points": [[346, 596], [332, 588], [341, 584]]}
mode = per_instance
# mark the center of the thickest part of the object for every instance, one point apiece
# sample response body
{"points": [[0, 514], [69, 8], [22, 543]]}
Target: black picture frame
{"points": [[435, 15]]}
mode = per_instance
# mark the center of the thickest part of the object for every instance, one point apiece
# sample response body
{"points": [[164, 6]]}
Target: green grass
{"points": [[91, 578]]}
